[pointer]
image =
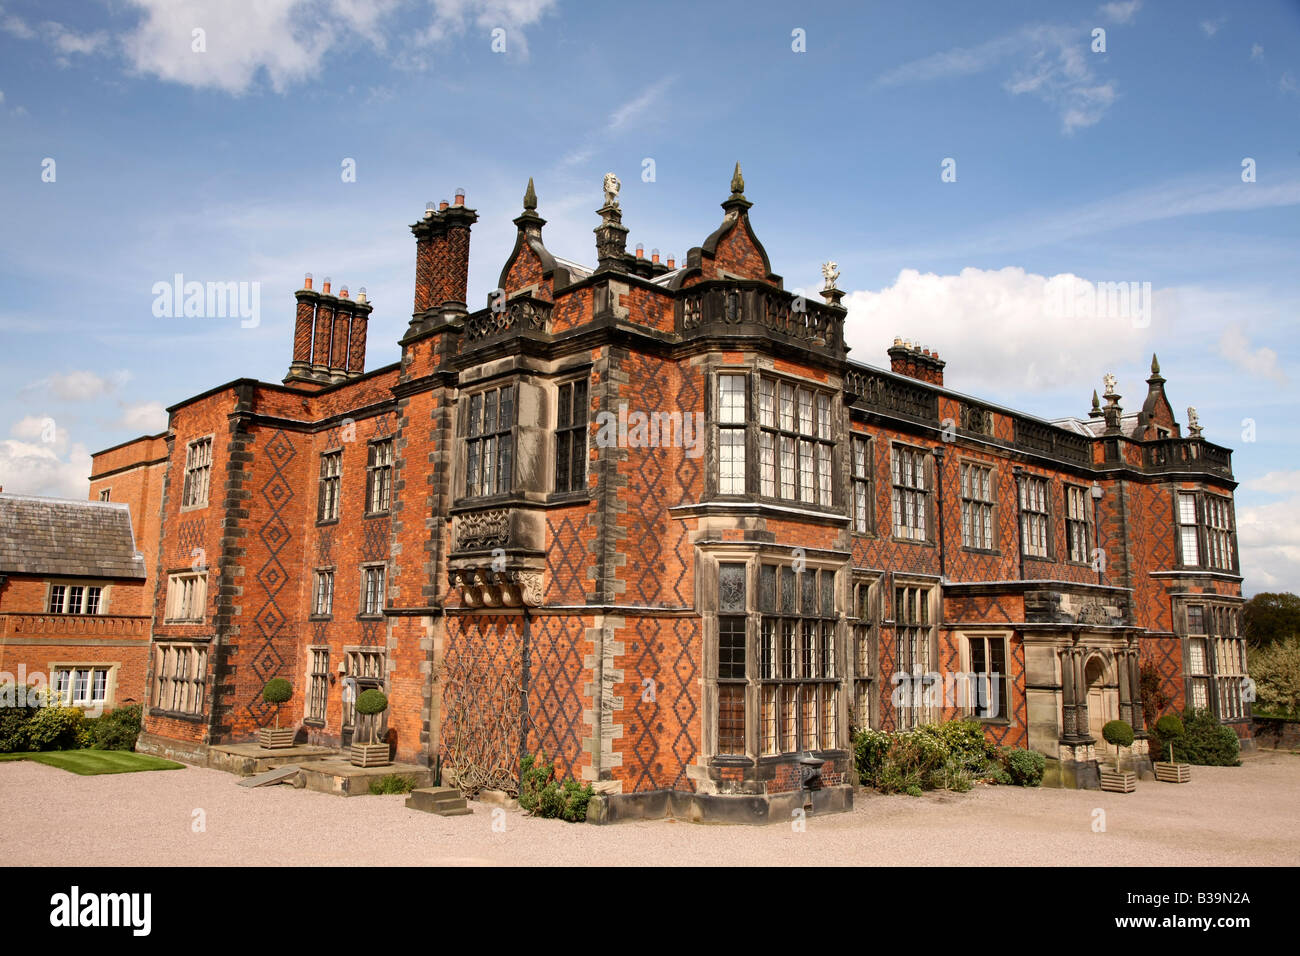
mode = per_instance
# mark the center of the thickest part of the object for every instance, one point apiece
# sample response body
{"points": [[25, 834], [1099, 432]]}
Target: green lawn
{"points": [[90, 762]]}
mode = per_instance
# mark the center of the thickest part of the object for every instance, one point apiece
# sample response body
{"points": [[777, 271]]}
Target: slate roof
{"points": [[58, 536]]}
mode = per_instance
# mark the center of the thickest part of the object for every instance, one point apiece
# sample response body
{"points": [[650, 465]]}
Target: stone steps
{"points": [[444, 801]]}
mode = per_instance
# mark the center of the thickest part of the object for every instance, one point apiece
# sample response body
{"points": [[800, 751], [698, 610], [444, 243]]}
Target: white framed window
{"points": [[323, 593], [1076, 523], [988, 695], [915, 631], [76, 599], [379, 476], [198, 469], [1033, 516], [105, 494], [732, 422], [1188, 536], [318, 682], [911, 492], [372, 590], [1218, 532], [179, 673], [976, 506], [331, 477], [863, 504], [187, 596], [80, 685]]}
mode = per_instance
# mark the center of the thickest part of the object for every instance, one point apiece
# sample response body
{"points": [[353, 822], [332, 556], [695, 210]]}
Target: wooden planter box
{"points": [[272, 739], [370, 755], [1173, 772], [1118, 781]]}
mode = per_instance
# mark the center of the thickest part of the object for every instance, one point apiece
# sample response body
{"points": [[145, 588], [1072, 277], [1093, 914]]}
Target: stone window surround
{"points": [[1200, 492], [708, 559], [1208, 602], [211, 438], [752, 368], [110, 682], [929, 491], [964, 657], [996, 504], [177, 576]]}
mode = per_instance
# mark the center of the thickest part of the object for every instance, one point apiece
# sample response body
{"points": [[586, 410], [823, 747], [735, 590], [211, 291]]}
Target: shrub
{"points": [[542, 796], [58, 728], [392, 783], [1207, 742], [369, 703], [948, 756], [1275, 670], [13, 721], [1000, 777], [118, 729], [1023, 768]]}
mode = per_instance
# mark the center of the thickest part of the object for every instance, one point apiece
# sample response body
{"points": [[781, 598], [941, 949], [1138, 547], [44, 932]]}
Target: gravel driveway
{"points": [[1227, 816]]}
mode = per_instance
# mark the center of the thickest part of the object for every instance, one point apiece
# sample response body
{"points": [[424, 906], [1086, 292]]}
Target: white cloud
{"points": [[148, 417], [80, 385], [1054, 66], [1211, 27], [1001, 330], [41, 469], [56, 34], [632, 110], [286, 41], [1256, 52], [1235, 346], [18, 27], [1275, 483], [1268, 537], [1287, 83], [1120, 12]]}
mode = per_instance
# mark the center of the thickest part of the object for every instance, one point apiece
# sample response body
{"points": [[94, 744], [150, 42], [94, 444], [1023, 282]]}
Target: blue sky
{"points": [[224, 164]]}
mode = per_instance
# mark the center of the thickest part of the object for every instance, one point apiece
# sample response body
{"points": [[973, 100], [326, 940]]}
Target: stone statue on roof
{"points": [[831, 273], [612, 186]]}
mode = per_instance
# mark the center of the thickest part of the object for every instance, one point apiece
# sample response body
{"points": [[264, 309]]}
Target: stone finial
{"points": [[737, 182], [1096, 406], [1108, 382], [1194, 429], [1155, 364], [530, 197]]}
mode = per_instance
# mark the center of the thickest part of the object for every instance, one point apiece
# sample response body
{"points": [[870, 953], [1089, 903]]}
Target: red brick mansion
{"points": [[651, 519]]}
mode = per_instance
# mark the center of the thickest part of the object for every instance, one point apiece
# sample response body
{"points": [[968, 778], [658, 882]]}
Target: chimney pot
{"points": [[343, 292], [428, 209], [640, 251], [361, 294], [460, 196], [325, 286], [306, 282], [672, 263], [654, 255], [442, 205]]}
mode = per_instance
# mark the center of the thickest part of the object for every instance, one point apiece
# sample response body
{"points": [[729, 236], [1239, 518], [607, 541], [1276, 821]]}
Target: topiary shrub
{"points": [[1168, 729], [118, 729], [1023, 768], [1206, 742], [542, 796], [277, 691], [1118, 734], [58, 728], [371, 702]]}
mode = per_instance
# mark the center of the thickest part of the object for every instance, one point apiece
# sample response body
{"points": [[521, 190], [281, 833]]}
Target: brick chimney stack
{"points": [[442, 257], [916, 362], [329, 335]]}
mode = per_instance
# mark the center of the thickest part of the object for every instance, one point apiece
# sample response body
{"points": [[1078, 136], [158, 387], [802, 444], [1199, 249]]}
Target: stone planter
{"points": [[370, 755], [1118, 781], [1173, 772], [272, 738]]}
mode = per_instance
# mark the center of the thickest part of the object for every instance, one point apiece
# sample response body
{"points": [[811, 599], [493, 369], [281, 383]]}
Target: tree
{"points": [[1271, 616]]}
